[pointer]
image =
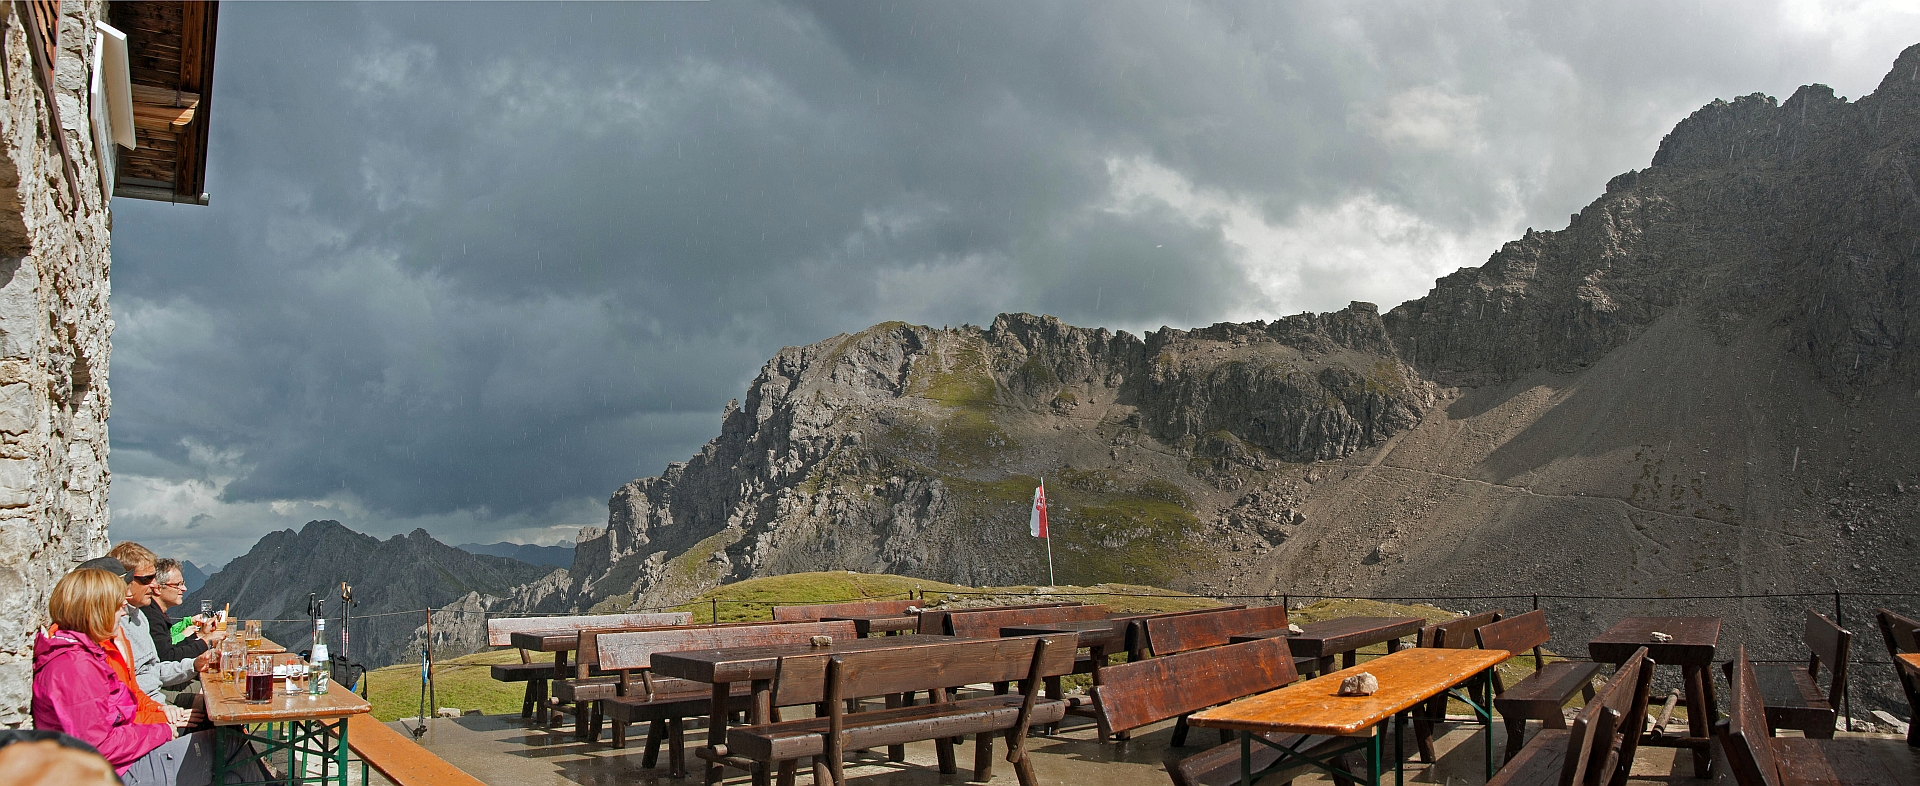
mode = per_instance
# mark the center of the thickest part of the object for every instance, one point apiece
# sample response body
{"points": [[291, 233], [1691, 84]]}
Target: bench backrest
{"points": [[635, 649], [856, 609], [885, 672], [1902, 633], [1605, 734], [1828, 643], [934, 621], [1186, 632], [1744, 734], [587, 654], [500, 630], [1458, 634], [1516, 634], [986, 623], [1135, 694]]}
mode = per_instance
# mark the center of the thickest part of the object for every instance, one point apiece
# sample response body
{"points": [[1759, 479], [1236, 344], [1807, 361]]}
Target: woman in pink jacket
{"points": [[75, 689]]}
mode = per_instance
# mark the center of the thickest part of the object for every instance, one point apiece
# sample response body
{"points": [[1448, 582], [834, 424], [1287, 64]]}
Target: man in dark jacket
{"points": [[169, 591]]}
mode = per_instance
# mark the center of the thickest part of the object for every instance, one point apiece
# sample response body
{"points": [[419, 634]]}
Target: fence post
{"points": [[715, 604], [1286, 600], [1846, 696], [1536, 601]]}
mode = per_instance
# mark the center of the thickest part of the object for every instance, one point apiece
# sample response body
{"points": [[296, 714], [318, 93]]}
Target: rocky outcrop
{"points": [[1801, 211], [54, 340], [891, 450]]}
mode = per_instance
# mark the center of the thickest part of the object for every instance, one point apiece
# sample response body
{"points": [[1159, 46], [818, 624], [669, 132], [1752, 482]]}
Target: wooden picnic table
{"points": [[1692, 649], [1910, 661], [1344, 637], [869, 624], [1408, 678], [311, 728], [758, 666]]}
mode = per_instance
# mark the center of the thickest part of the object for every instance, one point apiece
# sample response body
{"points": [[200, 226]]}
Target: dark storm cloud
{"points": [[472, 266]]}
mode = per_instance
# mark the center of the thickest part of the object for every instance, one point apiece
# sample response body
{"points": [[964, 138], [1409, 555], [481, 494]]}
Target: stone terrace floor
{"points": [[502, 750]]}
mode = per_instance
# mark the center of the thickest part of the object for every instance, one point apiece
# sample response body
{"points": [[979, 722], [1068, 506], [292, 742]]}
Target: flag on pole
{"points": [[1037, 523]]}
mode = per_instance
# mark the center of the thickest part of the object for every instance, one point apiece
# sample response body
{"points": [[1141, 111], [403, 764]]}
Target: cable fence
{"points": [[1769, 625]]}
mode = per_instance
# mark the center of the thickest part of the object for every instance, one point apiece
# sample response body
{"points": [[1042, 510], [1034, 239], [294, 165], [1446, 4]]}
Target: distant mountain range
{"points": [[192, 575], [403, 573], [559, 556]]}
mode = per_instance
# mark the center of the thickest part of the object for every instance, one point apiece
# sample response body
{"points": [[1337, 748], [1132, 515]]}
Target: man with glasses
{"points": [[153, 673], [169, 591]]}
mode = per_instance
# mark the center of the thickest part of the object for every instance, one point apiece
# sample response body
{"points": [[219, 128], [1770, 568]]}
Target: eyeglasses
{"points": [[147, 579], [179, 585]]}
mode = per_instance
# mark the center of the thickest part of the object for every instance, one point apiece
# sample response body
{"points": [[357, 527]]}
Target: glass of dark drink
{"points": [[259, 679]]}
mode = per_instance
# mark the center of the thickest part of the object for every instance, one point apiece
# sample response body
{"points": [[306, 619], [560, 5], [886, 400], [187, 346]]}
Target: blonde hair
{"points": [[133, 555], [88, 601]]}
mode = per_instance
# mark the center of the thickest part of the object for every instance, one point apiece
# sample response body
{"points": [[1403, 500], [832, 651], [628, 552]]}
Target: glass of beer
{"points": [[253, 633], [259, 679], [233, 659]]}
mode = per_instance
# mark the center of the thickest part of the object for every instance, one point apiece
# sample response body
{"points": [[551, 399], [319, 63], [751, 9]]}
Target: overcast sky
{"points": [[470, 267]]}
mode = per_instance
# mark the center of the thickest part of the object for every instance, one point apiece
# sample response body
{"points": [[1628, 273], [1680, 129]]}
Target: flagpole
{"points": [[1049, 539]]}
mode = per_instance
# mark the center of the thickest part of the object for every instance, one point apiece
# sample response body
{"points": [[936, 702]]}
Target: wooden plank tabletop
{"points": [[1407, 678], [1694, 640], [227, 703], [546, 640], [1909, 661], [736, 664], [1093, 633], [1332, 637], [877, 623]]}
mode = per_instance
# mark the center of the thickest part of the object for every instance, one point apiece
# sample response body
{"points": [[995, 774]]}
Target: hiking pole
{"points": [[420, 727]]}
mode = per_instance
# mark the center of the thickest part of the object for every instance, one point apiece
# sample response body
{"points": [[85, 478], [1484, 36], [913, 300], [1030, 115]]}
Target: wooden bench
{"points": [[1599, 748], [1551, 685], [1902, 635], [1792, 695], [1755, 758], [934, 621], [1028, 659], [665, 704], [500, 632], [1457, 634], [820, 611], [1177, 685], [398, 759], [1176, 633]]}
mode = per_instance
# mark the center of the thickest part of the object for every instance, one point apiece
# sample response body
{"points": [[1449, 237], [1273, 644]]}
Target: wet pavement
{"points": [[503, 750]]}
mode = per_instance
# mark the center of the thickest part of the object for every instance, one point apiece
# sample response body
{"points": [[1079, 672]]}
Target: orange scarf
{"points": [[146, 709]]}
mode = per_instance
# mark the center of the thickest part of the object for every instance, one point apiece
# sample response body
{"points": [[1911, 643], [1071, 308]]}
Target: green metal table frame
{"points": [[296, 742], [1478, 695]]}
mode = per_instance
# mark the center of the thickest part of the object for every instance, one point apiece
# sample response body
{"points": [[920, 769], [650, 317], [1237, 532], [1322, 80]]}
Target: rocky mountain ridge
{"points": [[1707, 384], [410, 572]]}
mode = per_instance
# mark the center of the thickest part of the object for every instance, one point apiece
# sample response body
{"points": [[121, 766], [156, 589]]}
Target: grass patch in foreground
{"points": [[465, 682]]}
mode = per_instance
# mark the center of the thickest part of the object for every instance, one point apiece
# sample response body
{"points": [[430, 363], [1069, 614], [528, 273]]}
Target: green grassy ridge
{"points": [[467, 683]]}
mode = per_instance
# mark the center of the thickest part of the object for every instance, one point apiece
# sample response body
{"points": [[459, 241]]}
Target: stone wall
{"points": [[54, 331]]}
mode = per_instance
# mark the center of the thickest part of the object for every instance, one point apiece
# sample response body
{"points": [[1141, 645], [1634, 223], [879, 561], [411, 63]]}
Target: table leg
{"points": [[1099, 654], [717, 728], [762, 712], [1373, 761], [1485, 711], [1349, 658], [1399, 755], [340, 754], [1393, 646], [547, 716], [1246, 758], [1700, 713], [1323, 665]]}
